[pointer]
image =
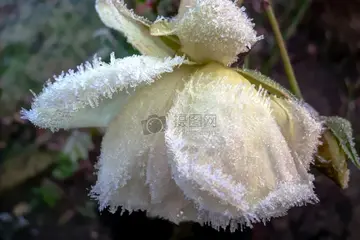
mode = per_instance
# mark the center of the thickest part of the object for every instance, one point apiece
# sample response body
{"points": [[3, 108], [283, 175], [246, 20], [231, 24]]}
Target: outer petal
{"points": [[94, 94], [214, 30], [133, 169], [240, 170], [116, 15], [300, 128]]}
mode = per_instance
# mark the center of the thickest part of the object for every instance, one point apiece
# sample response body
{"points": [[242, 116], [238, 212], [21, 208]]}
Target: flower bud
{"points": [[214, 30]]}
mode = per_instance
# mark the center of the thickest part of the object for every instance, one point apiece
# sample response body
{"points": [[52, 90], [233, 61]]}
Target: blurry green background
{"points": [[45, 177]]}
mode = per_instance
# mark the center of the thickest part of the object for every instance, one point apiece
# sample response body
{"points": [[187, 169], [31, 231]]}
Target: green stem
{"points": [[283, 52], [274, 56], [247, 62], [240, 2]]}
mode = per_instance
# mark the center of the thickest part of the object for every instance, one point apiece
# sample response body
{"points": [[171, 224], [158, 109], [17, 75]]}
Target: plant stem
{"points": [[283, 52], [239, 2], [247, 62], [274, 55]]}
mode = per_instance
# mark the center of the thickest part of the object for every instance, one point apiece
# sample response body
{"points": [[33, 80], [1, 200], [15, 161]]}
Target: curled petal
{"points": [[96, 92], [116, 15], [133, 168], [230, 157], [214, 30]]}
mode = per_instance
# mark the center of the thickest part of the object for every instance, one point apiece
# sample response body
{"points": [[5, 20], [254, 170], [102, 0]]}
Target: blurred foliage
{"points": [[76, 148], [17, 170], [42, 38], [38, 39], [48, 193]]}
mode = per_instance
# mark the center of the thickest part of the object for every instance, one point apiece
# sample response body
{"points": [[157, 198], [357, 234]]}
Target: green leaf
{"points": [[342, 130], [49, 193], [65, 167], [331, 160], [265, 82]]}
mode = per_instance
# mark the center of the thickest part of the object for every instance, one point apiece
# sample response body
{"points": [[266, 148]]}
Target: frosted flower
{"points": [[186, 140], [227, 32]]}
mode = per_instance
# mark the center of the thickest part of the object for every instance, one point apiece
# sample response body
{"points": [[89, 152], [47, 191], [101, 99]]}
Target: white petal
{"points": [[94, 94], [116, 15], [214, 30], [300, 128], [240, 170], [133, 169]]}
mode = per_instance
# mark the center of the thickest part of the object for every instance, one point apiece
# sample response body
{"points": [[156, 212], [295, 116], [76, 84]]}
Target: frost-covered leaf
{"points": [[342, 130], [331, 160], [265, 82]]}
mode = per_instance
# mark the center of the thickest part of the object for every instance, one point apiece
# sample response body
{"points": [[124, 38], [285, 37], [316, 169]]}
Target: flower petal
{"points": [[239, 170], [214, 30], [300, 128], [116, 15], [94, 94], [133, 169]]}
